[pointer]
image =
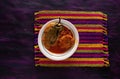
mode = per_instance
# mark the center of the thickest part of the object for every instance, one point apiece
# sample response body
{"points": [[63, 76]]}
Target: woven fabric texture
{"points": [[93, 46]]}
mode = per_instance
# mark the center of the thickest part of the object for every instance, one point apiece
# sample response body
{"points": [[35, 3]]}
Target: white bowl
{"points": [[67, 54]]}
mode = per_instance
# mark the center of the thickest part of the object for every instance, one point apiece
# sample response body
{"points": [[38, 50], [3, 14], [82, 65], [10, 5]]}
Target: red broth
{"points": [[64, 41]]}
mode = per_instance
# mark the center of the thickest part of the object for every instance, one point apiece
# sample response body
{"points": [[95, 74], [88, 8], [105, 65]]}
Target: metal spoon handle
{"points": [[59, 20]]}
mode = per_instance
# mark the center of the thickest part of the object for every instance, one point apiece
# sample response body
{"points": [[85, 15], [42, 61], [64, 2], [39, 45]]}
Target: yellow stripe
{"points": [[36, 29], [84, 30], [107, 62], [90, 30], [81, 30], [105, 52], [73, 59], [90, 51], [36, 46], [106, 46], [70, 17], [86, 45], [90, 45], [70, 12], [72, 65], [80, 52], [90, 25]]}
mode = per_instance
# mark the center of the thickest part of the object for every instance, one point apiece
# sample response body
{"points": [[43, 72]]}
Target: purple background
{"points": [[16, 39]]}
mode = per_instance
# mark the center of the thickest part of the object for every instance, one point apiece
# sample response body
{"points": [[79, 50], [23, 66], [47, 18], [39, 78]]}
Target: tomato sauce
{"points": [[65, 40]]}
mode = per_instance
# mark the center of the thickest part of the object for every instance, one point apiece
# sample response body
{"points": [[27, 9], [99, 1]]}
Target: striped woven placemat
{"points": [[93, 47]]}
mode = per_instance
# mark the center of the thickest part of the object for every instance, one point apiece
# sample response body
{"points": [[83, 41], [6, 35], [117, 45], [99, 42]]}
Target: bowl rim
{"points": [[67, 54]]}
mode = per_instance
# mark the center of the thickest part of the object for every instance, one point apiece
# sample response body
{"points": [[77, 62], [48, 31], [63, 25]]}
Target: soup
{"points": [[57, 38]]}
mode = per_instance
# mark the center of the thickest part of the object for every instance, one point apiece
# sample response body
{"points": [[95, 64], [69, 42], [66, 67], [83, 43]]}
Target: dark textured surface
{"points": [[16, 39]]}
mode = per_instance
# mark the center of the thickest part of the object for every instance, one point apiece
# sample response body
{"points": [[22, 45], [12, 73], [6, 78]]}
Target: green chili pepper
{"points": [[53, 33]]}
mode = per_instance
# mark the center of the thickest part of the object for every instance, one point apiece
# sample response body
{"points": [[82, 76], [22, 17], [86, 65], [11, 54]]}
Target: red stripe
{"points": [[85, 15], [87, 55], [70, 62], [98, 28], [39, 55], [105, 43], [87, 41], [36, 48], [85, 27], [89, 28]]}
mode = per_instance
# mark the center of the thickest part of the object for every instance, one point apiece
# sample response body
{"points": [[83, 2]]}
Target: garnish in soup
{"points": [[57, 38]]}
